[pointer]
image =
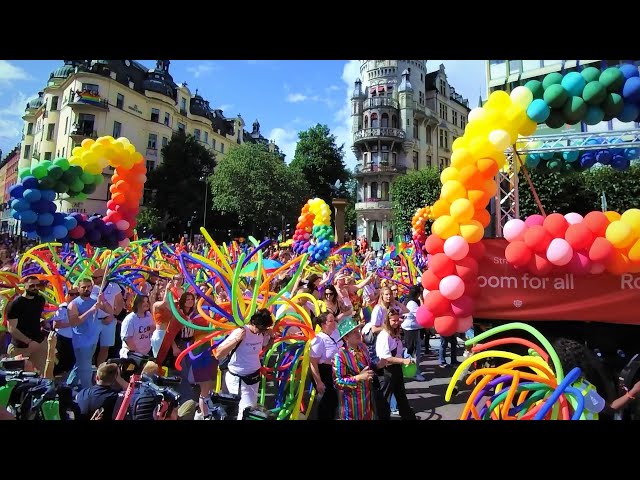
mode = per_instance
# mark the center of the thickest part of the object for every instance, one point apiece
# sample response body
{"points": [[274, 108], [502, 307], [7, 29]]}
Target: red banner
{"points": [[510, 294]]}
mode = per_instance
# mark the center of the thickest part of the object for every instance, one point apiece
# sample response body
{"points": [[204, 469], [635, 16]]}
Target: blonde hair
{"points": [[151, 368], [394, 332]]}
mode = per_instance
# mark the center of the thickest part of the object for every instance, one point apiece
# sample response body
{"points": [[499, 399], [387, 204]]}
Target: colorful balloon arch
{"points": [[32, 200], [611, 241], [314, 234]]}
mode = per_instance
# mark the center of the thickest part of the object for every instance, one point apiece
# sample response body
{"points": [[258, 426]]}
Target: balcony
{"points": [[374, 204], [87, 99], [78, 133], [371, 167], [378, 133], [377, 102]]}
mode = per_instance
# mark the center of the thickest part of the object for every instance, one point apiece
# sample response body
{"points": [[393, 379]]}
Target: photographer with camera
{"points": [[101, 395]]}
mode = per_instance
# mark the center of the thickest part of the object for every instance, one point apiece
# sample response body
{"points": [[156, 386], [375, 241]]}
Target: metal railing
{"points": [[84, 132], [376, 102], [380, 167], [373, 204], [378, 132]]}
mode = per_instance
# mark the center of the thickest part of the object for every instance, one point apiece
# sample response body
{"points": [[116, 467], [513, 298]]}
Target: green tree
{"points": [[320, 161], [621, 189], [179, 183], [258, 187], [150, 220], [412, 191], [350, 216]]}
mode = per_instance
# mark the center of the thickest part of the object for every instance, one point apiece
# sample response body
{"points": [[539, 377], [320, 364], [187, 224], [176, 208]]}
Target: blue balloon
{"points": [[603, 157], [30, 182], [45, 219], [15, 214], [17, 190], [629, 113], [20, 204], [571, 156], [32, 234], [32, 195], [70, 222], [628, 70], [630, 91], [538, 110], [619, 163], [573, 83], [93, 235], [48, 195], [29, 227], [50, 207], [58, 218], [44, 231], [47, 239], [28, 216], [60, 231], [121, 235], [587, 160]]}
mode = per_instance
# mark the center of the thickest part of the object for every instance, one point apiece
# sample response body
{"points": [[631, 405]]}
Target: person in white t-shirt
{"points": [[389, 347], [412, 328], [137, 328], [323, 349], [64, 346], [113, 295], [244, 345]]}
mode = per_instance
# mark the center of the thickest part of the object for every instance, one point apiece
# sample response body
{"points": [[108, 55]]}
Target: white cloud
{"points": [[286, 139], [11, 122], [225, 107], [203, 69], [296, 97], [10, 73], [468, 77], [342, 127], [17, 106], [10, 129]]}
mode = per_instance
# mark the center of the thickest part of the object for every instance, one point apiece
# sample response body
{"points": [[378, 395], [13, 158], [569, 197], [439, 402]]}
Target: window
{"points": [[155, 115], [374, 120], [385, 159], [150, 165], [515, 66], [548, 63], [91, 87], [153, 139], [416, 161], [206, 137], [221, 147], [463, 121], [454, 117], [443, 163], [85, 124], [374, 191], [366, 121], [165, 141], [394, 158], [429, 161], [54, 103], [444, 138], [30, 129], [66, 125], [428, 135], [196, 133], [497, 68], [443, 87], [47, 155], [27, 151], [117, 129], [385, 191], [167, 119], [50, 129], [120, 101], [365, 157], [421, 98], [443, 111], [416, 130], [528, 65], [181, 127], [394, 121], [366, 192], [384, 121], [183, 103], [63, 149], [213, 143]]}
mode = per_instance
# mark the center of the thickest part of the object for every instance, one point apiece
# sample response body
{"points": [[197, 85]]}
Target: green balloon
{"points": [[536, 88], [54, 172], [551, 79], [612, 105], [590, 74], [612, 79], [76, 185], [555, 95], [63, 163], [24, 172], [40, 171], [46, 183], [46, 163], [594, 93], [75, 170], [80, 196], [574, 110], [98, 179], [554, 164], [87, 178], [61, 187], [556, 119], [89, 188]]}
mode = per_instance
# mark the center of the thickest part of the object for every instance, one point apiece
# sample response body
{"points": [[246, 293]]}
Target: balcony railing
{"points": [[381, 102], [371, 167], [373, 204], [88, 98], [378, 132], [84, 132]]}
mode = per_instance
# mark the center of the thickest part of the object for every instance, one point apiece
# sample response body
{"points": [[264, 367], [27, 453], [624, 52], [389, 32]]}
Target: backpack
{"points": [[144, 403]]}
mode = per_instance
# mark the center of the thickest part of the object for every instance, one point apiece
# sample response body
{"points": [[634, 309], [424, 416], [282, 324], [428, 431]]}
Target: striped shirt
{"points": [[354, 397]]}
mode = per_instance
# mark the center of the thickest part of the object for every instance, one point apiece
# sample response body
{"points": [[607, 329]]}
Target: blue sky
{"points": [[286, 96]]}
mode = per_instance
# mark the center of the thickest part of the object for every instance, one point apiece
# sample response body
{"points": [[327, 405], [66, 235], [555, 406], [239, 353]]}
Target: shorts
{"points": [[107, 334], [204, 366]]}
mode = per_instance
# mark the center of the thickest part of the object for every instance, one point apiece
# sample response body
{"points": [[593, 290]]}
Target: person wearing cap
{"points": [[353, 374], [323, 350], [107, 322]]}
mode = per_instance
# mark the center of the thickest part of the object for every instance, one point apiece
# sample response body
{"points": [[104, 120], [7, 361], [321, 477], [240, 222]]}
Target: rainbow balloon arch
{"points": [[591, 244], [32, 200]]}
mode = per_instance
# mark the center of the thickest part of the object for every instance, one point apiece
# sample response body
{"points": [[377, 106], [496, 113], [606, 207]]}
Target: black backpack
{"points": [[144, 403]]}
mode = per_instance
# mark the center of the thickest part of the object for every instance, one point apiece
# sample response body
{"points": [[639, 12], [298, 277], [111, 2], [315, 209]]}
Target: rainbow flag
{"points": [[391, 254], [346, 249]]}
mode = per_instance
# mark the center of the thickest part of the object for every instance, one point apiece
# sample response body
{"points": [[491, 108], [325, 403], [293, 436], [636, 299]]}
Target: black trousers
{"points": [[392, 383], [328, 404], [66, 356]]}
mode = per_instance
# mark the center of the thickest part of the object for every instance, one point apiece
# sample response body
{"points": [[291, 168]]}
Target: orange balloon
{"points": [[613, 216], [483, 216], [618, 264], [488, 167], [440, 207], [467, 173]]}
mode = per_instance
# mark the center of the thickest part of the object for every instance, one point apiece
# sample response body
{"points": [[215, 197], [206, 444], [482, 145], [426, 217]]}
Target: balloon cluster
{"points": [[313, 234], [526, 387], [589, 96], [570, 243], [418, 224], [617, 158], [32, 199]]}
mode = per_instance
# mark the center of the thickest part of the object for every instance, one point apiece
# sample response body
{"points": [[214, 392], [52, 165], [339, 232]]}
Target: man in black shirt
{"points": [[101, 395], [24, 314]]}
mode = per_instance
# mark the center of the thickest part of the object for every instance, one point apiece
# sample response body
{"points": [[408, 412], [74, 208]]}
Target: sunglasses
{"points": [[73, 294]]}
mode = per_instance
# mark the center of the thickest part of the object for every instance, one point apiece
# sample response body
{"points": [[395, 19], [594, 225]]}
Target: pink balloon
{"points": [[464, 324], [425, 292], [534, 220], [559, 252], [452, 287], [580, 263], [573, 218], [122, 225], [462, 307], [596, 268], [424, 317], [123, 243], [456, 247], [514, 230]]}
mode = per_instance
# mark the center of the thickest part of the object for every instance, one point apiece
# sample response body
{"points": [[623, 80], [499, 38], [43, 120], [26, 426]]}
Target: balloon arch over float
{"points": [[598, 242]]}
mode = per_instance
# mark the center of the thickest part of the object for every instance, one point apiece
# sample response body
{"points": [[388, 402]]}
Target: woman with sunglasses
{"points": [[334, 305]]}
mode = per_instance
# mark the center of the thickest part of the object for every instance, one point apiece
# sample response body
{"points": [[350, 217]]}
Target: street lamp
{"points": [[206, 171]]}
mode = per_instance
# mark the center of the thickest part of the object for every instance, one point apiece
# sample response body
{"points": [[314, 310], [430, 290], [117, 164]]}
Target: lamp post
{"points": [[206, 171]]}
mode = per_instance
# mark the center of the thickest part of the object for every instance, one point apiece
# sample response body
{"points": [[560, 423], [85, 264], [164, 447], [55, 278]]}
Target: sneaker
{"points": [[443, 365], [395, 412], [466, 354], [419, 377]]}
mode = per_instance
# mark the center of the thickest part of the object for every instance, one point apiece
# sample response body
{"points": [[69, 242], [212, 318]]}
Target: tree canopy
{"points": [[412, 191]]}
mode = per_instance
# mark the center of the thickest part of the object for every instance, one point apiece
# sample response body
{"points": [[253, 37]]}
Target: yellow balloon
{"points": [[460, 142], [521, 96], [461, 158], [472, 231], [634, 252], [632, 218], [477, 114], [462, 210], [445, 227], [452, 190], [619, 234], [92, 168], [449, 173], [498, 100], [87, 142], [528, 127]]}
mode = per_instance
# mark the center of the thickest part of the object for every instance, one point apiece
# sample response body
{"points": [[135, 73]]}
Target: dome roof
{"points": [[63, 72], [35, 103]]}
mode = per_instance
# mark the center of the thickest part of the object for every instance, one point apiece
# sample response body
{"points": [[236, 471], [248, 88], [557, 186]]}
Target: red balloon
{"points": [[424, 317], [539, 265], [597, 222], [517, 254], [111, 205], [537, 239], [430, 280], [477, 250], [446, 325], [556, 225], [467, 269], [434, 244], [441, 265], [462, 307], [579, 236], [77, 232], [601, 250], [436, 303]]}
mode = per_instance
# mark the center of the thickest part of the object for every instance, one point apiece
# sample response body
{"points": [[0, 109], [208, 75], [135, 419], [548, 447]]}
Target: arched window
{"points": [[366, 121], [374, 191], [394, 121], [374, 120], [384, 122], [364, 193], [385, 191]]}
